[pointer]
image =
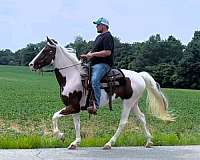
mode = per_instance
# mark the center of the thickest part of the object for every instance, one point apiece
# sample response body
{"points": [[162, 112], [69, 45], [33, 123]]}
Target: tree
{"points": [[80, 45], [187, 73], [6, 57]]}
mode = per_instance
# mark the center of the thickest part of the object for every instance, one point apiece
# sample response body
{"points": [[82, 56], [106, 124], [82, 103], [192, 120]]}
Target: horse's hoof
{"points": [[62, 137], [149, 144], [72, 147], [107, 147]]}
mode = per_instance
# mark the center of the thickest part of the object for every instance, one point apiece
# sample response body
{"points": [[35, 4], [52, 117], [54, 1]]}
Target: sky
{"points": [[30, 21]]}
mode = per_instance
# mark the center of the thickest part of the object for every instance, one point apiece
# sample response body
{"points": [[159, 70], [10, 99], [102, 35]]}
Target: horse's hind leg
{"points": [[127, 104], [140, 116]]}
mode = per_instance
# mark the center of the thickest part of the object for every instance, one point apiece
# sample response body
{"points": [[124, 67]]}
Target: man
{"points": [[101, 58]]}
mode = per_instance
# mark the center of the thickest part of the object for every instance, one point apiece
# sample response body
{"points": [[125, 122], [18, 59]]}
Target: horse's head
{"points": [[45, 56]]}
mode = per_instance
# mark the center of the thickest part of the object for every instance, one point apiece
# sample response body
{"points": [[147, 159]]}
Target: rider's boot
{"points": [[92, 109]]}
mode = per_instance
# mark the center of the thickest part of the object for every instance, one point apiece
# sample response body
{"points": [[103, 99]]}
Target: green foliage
{"points": [[81, 46], [6, 57], [30, 142], [187, 74], [156, 51], [22, 56], [173, 64], [163, 73]]}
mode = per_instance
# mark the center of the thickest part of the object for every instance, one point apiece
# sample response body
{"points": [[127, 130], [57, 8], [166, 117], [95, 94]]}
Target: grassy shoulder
{"points": [[128, 139], [29, 100]]}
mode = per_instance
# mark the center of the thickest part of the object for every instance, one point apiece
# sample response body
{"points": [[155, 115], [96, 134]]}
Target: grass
{"points": [[28, 101]]}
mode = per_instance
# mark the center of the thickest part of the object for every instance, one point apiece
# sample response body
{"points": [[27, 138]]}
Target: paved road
{"points": [[116, 153]]}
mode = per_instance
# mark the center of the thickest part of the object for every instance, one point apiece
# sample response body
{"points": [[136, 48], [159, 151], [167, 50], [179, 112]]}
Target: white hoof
{"points": [[107, 147], [61, 136], [149, 144], [72, 147]]}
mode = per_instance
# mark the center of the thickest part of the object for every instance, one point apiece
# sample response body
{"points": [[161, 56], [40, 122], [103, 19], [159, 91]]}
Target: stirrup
{"points": [[92, 110]]}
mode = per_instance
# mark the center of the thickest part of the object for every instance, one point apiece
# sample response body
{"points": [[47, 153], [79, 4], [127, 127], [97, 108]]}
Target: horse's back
{"points": [[137, 82]]}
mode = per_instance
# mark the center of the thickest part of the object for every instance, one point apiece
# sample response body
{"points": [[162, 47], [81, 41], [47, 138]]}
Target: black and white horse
{"points": [[67, 69]]}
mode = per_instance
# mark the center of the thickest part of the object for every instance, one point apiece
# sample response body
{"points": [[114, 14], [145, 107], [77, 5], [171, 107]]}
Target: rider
{"points": [[101, 58]]}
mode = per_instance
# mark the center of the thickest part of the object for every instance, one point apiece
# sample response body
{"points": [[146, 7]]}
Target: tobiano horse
{"points": [[67, 71]]}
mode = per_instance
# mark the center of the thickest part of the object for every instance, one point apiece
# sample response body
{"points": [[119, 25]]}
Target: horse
{"points": [[67, 70]]}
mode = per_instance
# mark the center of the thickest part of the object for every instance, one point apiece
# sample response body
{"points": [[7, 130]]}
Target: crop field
{"points": [[28, 101]]}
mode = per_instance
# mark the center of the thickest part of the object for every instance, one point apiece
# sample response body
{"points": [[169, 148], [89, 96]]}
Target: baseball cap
{"points": [[102, 21]]}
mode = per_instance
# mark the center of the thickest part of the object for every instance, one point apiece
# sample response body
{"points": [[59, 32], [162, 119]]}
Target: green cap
{"points": [[102, 21]]}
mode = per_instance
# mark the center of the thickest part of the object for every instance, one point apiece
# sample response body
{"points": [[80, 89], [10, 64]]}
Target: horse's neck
{"points": [[68, 74], [65, 65], [61, 60]]}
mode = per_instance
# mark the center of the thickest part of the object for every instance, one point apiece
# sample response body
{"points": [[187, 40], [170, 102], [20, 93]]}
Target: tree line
{"points": [[171, 63]]}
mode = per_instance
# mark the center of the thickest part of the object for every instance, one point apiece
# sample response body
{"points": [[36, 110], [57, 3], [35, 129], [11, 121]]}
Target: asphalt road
{"points": [[116, 153]]}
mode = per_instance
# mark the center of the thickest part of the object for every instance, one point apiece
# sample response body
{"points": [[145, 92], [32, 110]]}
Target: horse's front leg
{"points": [[56, 131], [77, 141], [60, 135]]}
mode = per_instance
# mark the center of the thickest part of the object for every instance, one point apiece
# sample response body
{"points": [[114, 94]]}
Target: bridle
{"points": [[53, 70]]}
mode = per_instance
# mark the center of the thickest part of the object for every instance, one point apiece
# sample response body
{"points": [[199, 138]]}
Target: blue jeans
{"points": [[98, 72]]}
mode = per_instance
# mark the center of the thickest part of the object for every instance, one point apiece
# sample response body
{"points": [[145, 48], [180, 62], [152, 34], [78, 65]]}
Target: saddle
{"points": [[113, 79]]}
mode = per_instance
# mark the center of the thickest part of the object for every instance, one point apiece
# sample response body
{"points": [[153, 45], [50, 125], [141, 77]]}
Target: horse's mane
{"points": [[70, 53]]}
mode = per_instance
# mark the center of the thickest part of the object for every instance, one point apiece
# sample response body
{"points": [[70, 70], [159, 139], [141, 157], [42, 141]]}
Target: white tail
{"points": [[156, 100]]}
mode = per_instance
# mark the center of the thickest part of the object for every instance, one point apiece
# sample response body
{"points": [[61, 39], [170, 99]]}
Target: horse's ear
{"points": [[54, 41], [49, 40]]}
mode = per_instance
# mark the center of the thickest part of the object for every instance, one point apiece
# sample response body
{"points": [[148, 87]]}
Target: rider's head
{"points": [[102, 25]]}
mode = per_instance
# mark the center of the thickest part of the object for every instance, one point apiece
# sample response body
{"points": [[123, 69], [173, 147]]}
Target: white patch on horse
{"points": [[71, 86], [72, 74], [32, 62]]}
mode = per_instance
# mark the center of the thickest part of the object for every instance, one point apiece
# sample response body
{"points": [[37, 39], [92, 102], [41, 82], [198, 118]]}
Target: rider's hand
{"points": [[88, 56]]}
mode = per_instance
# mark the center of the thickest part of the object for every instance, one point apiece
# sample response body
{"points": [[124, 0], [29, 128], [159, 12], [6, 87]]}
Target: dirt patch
{"points": [[14, 126], [2, 123]]}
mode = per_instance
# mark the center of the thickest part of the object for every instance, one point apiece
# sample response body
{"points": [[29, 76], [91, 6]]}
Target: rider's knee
{"points": [[95, 81]]}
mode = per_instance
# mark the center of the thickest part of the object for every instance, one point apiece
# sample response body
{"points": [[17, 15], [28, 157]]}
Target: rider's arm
{"points": [[103, 53]]}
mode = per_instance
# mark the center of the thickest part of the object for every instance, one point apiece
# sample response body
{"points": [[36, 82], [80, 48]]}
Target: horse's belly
{"points": [[104, 98]]}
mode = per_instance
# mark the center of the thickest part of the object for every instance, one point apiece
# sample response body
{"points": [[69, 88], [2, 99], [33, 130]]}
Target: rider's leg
{"points": [[98, 72]]}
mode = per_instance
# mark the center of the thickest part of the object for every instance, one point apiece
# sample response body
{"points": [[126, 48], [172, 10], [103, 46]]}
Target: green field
{"points": [[28, 101]]}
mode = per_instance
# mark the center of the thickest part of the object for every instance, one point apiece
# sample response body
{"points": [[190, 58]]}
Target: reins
{"points": [[52, 70]]}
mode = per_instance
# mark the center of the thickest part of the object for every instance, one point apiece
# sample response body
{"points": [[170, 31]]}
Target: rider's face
{"points": [[99, 28]]}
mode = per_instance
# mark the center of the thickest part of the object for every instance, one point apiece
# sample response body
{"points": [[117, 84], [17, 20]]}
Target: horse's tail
{"points": [[156, 100]]}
